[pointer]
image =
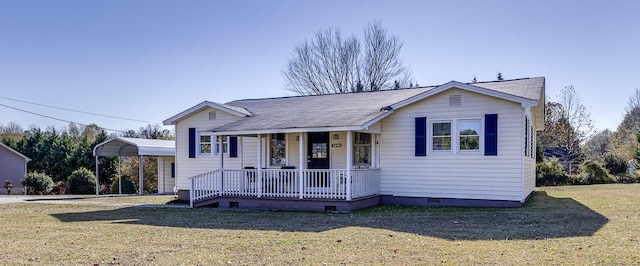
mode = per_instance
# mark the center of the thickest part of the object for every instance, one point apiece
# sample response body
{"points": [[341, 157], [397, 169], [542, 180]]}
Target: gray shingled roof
{"points": [[349, 109]]}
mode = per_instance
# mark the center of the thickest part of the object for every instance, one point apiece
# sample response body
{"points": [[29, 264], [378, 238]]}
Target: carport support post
{"points": [[120, 175], [140, 174], [97, 176]]}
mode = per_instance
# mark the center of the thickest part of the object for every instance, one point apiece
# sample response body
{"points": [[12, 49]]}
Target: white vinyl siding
{"points": [[165, 181], [187, 167], [453, 175]]}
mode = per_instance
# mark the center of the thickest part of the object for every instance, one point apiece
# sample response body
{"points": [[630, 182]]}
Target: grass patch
{"points": [[146, 199], [580, 225]]}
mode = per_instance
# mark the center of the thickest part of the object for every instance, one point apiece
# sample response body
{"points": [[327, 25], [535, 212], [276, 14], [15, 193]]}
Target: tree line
{"points": [[57, 153], [572, 151]]}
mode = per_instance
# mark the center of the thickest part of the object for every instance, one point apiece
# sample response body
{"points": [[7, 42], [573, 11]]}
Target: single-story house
{"points": [[13, 167], [461, 144]]}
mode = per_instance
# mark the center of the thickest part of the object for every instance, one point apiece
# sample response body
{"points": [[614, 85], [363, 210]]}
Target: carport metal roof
{"points": [[133, 147]]}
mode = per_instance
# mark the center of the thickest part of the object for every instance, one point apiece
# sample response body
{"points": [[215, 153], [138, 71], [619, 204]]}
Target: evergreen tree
{"points": [[499, 76]]}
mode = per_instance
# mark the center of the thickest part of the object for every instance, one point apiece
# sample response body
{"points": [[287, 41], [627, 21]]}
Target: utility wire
{"points": [[78, 111], [58, 119]]}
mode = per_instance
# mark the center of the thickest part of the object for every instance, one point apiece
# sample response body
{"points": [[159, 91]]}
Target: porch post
{"points": [[221, 154], [349, 162], [301, 161], [259, 166], [239, 150], [141, 174], [97, 176], [374, 150]]}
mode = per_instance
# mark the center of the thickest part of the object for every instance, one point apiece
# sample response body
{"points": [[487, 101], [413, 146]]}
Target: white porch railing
{"points": [[285, 183]]}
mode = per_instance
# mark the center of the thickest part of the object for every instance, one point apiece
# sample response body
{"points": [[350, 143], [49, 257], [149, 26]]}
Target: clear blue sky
{"points": [[149, 60]]}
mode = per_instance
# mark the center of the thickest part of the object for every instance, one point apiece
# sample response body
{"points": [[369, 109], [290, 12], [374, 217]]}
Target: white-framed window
{"points": [[469, 134], [441, 132], [361, 149], [205, 144], [208, 144], [456, 135], [278, 149]]}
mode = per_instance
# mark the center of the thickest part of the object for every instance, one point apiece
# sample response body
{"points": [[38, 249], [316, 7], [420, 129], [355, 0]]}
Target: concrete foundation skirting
{"points": [[289, 204], [423, 201], [292, 204]]}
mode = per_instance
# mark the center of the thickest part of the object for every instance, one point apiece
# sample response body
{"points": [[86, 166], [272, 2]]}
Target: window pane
{"points": [[362, 138], [362, 155], [277, 139], [470, 143], [205, 139], [441, 143], [469, 128], [205, 148], [278, 156], [319, 150], [442, 129]]}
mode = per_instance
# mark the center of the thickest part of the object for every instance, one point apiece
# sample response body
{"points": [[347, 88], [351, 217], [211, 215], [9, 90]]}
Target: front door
{"points": [[318, 150], [318, 158]]}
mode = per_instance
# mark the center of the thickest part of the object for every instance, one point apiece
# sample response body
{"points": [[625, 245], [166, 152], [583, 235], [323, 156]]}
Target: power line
{"points": [[58, 119], [78, 111]]}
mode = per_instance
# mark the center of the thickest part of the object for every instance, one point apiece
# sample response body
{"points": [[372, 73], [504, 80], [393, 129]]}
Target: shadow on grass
{"points": [[542, 217]]}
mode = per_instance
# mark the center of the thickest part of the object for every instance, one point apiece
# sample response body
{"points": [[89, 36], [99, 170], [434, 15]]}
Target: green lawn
{"points": [[577, 225]]}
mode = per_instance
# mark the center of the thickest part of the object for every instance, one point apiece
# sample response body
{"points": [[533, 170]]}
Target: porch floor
{"points": [[289, 204]]}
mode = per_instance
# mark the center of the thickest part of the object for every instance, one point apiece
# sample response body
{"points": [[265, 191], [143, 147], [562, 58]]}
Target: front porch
{"points": [[320, 189]]}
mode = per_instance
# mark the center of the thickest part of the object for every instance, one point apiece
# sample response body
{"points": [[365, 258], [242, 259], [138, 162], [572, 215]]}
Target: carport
{"points": [[133, 147]]}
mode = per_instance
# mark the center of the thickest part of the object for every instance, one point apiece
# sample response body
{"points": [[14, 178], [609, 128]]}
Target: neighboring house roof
{"points": [[26, 159], [133, 147], [355, 111]]}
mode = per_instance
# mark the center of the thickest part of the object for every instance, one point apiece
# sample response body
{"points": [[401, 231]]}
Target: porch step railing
{"points": [[285, 183]]}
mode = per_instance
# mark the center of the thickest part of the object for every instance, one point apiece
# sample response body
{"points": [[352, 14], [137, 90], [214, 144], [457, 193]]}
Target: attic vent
{"points": [[212, 115], [455, 100]]}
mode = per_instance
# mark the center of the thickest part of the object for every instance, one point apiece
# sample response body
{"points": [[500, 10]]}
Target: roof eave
{"points": [[463, 86], [172, 120]]}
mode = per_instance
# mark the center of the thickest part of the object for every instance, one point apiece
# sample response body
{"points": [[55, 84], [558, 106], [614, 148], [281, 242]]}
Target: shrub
{"points": [[628, 178], [81, 181], [549, 173], [615, 164], [127, 185], [594, 173], [38, 183]]}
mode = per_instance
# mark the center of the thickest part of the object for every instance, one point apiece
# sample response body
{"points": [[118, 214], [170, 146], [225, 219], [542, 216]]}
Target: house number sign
{"points": [[336, 145]]}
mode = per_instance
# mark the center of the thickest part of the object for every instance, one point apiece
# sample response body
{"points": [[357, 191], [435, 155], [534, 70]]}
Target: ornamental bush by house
{"points": [[38, 183], [127, 185], [81, 181]]}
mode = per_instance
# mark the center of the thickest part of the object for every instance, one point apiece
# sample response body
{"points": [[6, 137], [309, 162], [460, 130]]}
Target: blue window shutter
{"points": [[491, 134], [192, 143], [173, 169], [233, 147], [421, 136]]}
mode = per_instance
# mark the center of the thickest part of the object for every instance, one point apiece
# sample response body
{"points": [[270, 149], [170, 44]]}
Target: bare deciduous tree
{"points": [[333, 63]]}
